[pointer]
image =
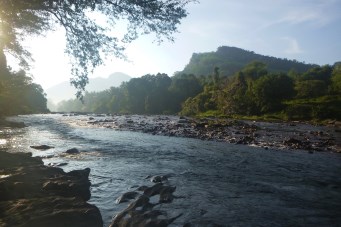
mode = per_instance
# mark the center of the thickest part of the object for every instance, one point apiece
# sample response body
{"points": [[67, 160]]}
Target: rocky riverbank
{"points": [[275, 135], [32, 194]]}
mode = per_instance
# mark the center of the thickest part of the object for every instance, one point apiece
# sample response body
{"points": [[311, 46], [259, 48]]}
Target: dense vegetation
{"points": [[150, 94], [18, 95], [252, 91]]}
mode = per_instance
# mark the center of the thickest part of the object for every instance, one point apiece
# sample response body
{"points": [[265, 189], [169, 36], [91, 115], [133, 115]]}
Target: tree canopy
{"points": [[88, 40]]}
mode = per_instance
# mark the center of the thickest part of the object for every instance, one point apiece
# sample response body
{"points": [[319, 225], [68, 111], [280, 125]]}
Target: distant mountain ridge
{"points": [[233, 59], [65, 91]]}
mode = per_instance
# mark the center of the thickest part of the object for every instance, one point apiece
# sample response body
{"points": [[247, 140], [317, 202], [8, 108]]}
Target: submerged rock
{"points": [[41, 147], [72, 151], [158, 178], [140, 211], [126, 197]]}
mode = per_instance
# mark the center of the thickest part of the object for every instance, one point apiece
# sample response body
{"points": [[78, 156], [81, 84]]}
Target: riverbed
{"points": [[217, 183]]}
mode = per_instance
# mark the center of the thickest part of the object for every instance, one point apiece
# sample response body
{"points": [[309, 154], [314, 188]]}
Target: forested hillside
{"points": [[232, 59]]}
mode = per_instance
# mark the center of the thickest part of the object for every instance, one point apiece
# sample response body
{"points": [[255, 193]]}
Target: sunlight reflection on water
{"points": [[3, 141]]}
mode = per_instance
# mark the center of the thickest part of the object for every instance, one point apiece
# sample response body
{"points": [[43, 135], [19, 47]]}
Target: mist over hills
{"points": [[233, 59], [65, 91]]}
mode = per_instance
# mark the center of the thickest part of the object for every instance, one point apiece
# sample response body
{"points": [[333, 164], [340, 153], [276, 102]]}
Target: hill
{"points": [[65, 91], [233, 59]]}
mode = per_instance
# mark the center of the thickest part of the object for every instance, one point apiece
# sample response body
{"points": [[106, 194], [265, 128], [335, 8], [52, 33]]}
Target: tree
{"points": [[322, 73], [336, 78], [271, 90], [310, 88], [183, 86], [18, 95], [255, 70], [87, 40], [237, 99]]}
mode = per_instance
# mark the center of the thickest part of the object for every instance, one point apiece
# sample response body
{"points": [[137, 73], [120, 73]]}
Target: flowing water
{"points": [[216, 183]]}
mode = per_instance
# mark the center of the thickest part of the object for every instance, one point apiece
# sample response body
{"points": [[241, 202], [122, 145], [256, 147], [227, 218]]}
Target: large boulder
{"points": [[32, 194]]}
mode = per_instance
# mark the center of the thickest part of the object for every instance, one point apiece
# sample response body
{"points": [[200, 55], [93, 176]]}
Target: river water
{"points": [[216, 183]]}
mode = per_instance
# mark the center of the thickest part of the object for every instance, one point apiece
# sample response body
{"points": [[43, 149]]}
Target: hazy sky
{"points": [[306, 30]]}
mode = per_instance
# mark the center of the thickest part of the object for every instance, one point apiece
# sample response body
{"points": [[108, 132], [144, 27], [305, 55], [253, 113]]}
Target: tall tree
{"points": [[87, 40], [336, 78], [271, 90]]}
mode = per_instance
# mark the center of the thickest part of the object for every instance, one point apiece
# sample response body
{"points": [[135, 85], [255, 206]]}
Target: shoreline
{"points": [[32, 194], [275, 135]]}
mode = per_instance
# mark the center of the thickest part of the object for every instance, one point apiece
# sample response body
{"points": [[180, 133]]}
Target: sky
{"points": [[306, 30]]}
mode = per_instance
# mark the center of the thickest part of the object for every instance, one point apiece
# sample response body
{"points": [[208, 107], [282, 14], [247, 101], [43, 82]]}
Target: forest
{"points": [[252, 91]]}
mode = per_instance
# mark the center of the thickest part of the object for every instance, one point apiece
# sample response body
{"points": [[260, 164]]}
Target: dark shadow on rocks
{"points": [[32, 194]]}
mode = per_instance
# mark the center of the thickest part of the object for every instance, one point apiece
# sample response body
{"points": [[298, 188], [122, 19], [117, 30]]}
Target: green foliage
{"points": [[87, 40], [182, 87], [310, 88], [255, 70], [237, 96], [255, 92], [336, 79], [324, 107], [149, 94], [271, 90], [199, 104], [318, 73], [18, 95]]}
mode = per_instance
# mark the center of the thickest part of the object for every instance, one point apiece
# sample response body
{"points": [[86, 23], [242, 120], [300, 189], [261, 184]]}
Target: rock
{"points": [[141, 212], [158, 179], [41, 147], [74, 183], [126, 197], [142, 201], [245, 140], [62, 164], [11, 124], [292, 141], [153, 190], [142, 188], [53, 211], [36, 195], [166, 194], [72, 151], [161, 222], [183, 121]]}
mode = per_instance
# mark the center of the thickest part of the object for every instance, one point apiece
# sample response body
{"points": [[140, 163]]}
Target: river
{"points": [[216, 183]]}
